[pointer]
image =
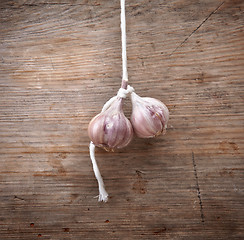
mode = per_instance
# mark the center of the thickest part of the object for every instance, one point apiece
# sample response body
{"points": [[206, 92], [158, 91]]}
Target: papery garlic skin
{"points": [[111, 129], [149, 116]]}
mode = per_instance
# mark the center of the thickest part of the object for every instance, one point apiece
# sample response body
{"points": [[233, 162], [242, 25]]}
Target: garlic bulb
{"points": [[111, 129], [149, 116]]}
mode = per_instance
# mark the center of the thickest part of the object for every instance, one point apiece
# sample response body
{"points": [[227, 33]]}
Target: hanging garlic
{"points": [[149, 116], [111, 129]]}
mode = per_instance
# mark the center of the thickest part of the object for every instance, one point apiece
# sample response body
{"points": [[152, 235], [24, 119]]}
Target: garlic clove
{"points": [[149, 116], [111, 129]]}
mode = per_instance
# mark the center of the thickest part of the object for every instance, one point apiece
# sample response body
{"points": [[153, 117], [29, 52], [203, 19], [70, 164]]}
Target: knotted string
{"points": [[122, 93]]}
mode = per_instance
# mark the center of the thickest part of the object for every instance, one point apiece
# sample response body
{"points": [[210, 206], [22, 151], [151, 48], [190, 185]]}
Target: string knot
{"points": [[130, 89], [122, 93]]}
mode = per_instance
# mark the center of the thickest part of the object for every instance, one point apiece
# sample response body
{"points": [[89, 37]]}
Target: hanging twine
{"points": [[122, 93]]}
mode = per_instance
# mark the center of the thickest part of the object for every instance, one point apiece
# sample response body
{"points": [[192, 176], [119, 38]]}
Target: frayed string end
{"points": [[103, 195]]}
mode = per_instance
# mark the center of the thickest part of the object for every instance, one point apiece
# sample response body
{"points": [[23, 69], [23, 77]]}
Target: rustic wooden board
{"points": [[61, 60]]}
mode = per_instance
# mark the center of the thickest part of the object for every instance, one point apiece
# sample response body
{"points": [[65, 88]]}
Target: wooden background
{"points": [[61, 60]]}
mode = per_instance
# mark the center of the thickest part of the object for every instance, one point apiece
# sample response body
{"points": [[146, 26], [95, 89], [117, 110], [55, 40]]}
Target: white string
{"points": [[123, 39], [122, 93], [130, 89], [103, 195]]}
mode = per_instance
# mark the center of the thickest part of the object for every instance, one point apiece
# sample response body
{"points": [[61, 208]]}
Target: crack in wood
{"points": [[19, 198], [197, 186], [181, 44]]}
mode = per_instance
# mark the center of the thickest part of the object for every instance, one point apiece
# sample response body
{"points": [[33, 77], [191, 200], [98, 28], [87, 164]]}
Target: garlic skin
{"points": [[111, 129], [149, 116]]}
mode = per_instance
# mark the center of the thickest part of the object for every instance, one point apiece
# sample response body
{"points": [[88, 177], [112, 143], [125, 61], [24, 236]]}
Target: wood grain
{"points": [[61, 60]]}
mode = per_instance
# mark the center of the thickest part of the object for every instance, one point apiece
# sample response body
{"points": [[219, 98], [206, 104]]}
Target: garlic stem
{"points": [[108, 103], [103, 195], [123, 39]]}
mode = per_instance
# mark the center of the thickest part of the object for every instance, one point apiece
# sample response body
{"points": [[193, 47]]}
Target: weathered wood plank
{"points": [[61, 60]]}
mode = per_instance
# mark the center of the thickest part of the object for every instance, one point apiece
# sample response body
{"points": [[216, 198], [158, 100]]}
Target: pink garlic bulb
{"points": [[149, 116], [111, 129]]}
